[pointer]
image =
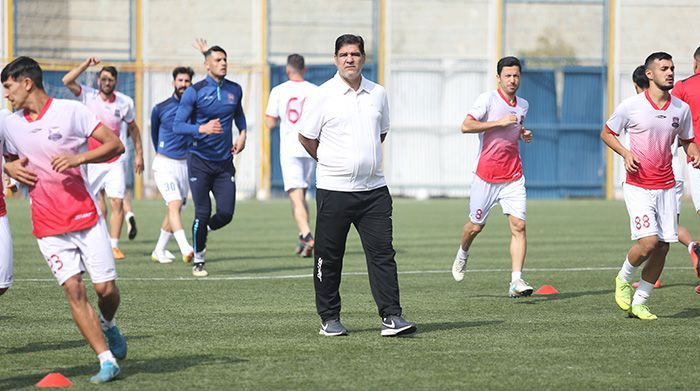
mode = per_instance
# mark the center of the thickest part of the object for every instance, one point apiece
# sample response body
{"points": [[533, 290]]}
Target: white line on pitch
{"points": [[297, 276]]}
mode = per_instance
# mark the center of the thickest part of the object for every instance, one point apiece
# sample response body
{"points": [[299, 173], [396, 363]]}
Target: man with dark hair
{"points": [[46, 140], [206, 113], [286, 107], [497, 117], [5, 233], [639, 79], [170, 168], [688, 90], [345, 123], [114, 109], [653, 120]]}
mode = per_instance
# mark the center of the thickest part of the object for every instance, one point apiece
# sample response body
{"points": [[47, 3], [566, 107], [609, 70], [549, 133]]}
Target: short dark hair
{"points": [[656, 56], [181, 70], [296, 62], [639, 77], [23, 67], [215, 48], [109, 69], [349, 39], [696, 55], [509, 61]]}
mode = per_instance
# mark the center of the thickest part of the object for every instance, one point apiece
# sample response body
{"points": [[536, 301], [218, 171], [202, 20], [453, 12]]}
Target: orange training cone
{"points": [[547, 290], [54, 380]]}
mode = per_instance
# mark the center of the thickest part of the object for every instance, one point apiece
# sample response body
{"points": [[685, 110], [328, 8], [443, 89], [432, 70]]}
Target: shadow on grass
{"points": [[308, 268], [424, 328], [687, 313], [536, 299], [82, 373], [45, 346]]}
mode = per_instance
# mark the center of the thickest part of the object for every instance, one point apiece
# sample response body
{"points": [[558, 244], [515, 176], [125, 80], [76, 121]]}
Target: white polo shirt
{"points": [[286, 103], [348, 125]]}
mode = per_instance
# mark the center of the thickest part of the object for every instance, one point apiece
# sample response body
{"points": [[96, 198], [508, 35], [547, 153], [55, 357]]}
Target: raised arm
{"points": [[69, 80]]}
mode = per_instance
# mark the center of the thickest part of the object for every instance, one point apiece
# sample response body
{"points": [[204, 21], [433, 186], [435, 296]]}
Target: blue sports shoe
{"points": [[116, 342], [108, 371]]}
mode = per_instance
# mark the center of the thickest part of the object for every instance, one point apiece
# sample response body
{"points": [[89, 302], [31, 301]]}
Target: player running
{"points": [[47, 140], [498, 116], [653, 119]]}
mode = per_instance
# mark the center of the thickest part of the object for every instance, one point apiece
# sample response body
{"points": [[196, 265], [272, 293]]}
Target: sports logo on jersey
{"points": [[231, 98], [117, 113], [676, 122], [522, 119], [55, 133], [661, 116]]}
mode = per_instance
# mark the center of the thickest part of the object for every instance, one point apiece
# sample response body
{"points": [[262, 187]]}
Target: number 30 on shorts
{"points": [[640, 222]]}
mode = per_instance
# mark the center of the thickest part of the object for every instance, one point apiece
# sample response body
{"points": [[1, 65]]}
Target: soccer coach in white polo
{"points": [[343, 126]]}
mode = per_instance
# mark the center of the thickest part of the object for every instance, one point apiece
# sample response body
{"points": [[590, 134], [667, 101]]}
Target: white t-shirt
{"points": [[348, 125], [112, 113], [652, 131], [60, 202], [3, 114], [286, 103], [499, 152]]}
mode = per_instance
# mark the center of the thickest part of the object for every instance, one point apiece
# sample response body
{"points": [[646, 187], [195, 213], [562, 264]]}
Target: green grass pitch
{"points": [[252, 323]]}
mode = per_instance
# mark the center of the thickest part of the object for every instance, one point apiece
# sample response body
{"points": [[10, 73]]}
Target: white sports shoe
{"points": [[160, 257], [168, 254], [459, 267], [519, 288]]}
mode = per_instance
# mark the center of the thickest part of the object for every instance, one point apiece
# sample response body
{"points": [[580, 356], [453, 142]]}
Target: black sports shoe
{"points": [[131, 227], [198, 270], [395, 325], [333, 328]]}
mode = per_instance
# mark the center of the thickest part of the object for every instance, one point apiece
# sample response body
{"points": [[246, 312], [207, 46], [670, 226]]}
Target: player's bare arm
{"points": [[16, 169], [69, 80], [239, 144], [135, 134], [271, 122], [691, 149], [470, 125], [631, 161], [311, 146], [111, 147]]}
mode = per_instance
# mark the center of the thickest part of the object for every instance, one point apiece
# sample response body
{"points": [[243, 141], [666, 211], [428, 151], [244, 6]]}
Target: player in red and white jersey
{"points": [[5, 234], [653, 120], [286, 106], [112, 108], [46, 143], [688, 90], [497, 117]]}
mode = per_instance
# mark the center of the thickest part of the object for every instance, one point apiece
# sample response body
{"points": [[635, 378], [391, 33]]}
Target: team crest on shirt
{"points": [[676, 122], [117, 113], [231, 98], [55, 133]]}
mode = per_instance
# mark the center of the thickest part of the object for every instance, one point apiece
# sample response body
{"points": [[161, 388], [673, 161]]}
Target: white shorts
{"points": [[679, 194], [694, 183], [297, 172], [652, 212], [5, 253], [171, 178], [109, 177], [485, 195], [75, 252]]}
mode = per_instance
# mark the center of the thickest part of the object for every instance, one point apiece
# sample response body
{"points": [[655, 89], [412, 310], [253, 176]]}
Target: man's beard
{"points": [[179, 92]]}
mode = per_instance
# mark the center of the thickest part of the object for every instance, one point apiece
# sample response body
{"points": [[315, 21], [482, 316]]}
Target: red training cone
{"points": [[547, 290], [54, 380]]}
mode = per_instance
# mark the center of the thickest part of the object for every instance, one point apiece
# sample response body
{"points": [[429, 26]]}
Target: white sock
{"points": [[129, 214], [462, 254], [163, 240], [106, 324], [627, 271], [106, 356], [199, 256], [114, 242], [643, 292], [514, 276], [182, 242]]}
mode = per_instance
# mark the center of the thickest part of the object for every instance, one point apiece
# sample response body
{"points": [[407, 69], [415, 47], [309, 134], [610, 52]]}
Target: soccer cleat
{"points": [[116, 342], [459, 267], [160, 258], [695, 258], [131, 226], [300, 245], [657, 284], [395, 325], [108, 371], [168, 254], [187, 258], [641, 311], [118, 254], [307, 251], [198, 270], [333, 328], [623, 294], [519, 288]]}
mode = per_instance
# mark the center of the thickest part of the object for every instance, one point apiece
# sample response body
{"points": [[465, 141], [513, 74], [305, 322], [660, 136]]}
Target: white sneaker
{"points": [[198, 270], [459, 267], [160, 257], [168, 254], [519, 288]]}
